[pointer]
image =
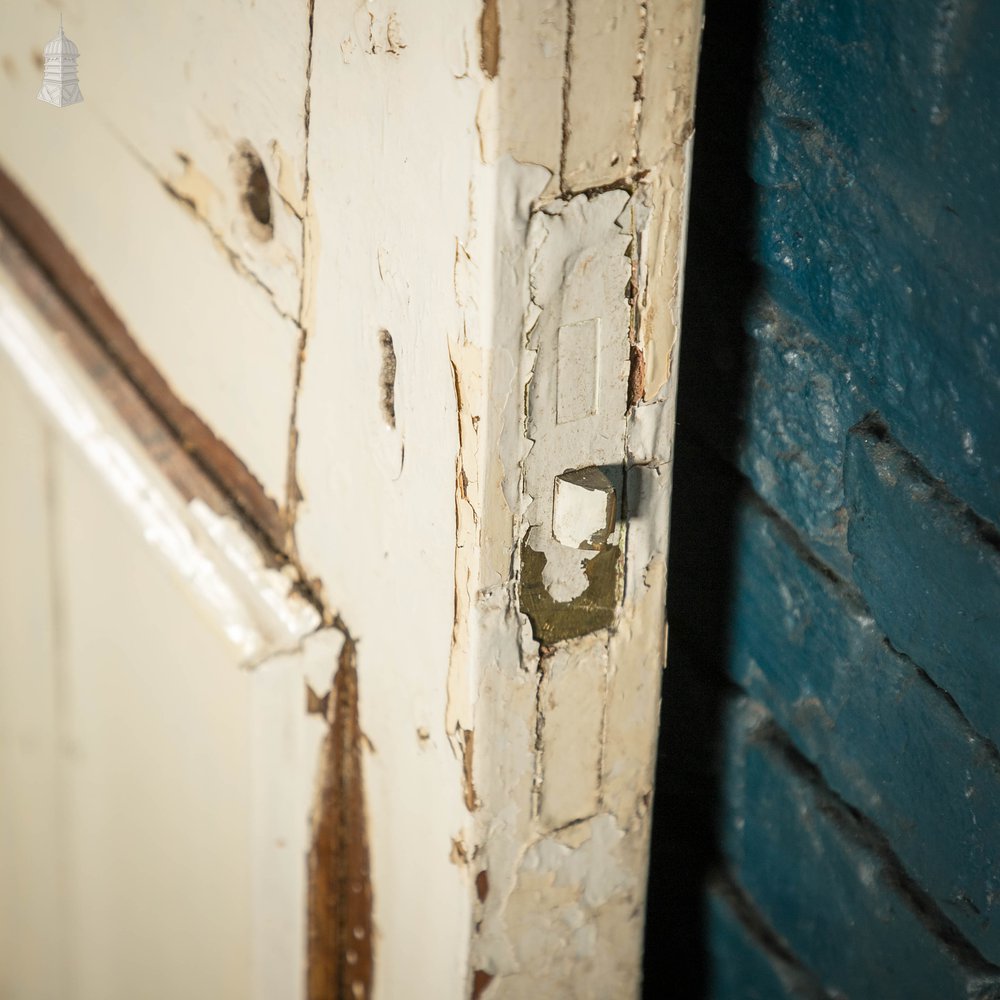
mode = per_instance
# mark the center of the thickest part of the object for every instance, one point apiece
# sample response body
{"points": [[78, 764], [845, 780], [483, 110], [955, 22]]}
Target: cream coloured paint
{"points": [[436, 195], [128, 864], [140, 182]]}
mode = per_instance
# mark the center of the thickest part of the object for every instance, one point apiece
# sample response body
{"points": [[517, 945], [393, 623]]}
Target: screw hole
{"points": [[387, 378], [256, 188]]}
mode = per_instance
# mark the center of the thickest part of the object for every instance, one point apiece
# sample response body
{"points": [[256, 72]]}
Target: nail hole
{"points": [[387, 378], [256, 191], [482, 885]]}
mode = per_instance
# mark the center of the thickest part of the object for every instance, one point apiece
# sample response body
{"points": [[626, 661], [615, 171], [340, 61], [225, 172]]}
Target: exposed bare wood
{"points": [[341, 959]]}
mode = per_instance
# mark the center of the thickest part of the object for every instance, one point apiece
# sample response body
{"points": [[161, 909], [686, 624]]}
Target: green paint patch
{"points": [[553, 621]]}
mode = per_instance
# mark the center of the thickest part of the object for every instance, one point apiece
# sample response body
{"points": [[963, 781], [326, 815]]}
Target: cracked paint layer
{"points": [[226, 345], [570, 722], [195, 192], [559, 649], [376, 518], [578, 276], [546, 239], [307, 286], [265, 123]]}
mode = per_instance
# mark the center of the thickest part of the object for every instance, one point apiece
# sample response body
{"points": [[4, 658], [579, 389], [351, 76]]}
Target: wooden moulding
{"points": [[195, 460]]}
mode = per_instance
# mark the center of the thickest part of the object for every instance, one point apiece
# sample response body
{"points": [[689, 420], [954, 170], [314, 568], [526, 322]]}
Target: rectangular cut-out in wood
{"points": [[579, 349], [577, 370]]}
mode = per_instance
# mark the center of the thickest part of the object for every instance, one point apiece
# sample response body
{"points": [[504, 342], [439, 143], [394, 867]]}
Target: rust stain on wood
{"points": [[96, 335], [340, 956]]}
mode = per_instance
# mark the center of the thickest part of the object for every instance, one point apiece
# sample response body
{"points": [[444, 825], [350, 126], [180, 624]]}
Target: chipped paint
{"points": [[556, 666], [288, 183], [489, 35], [498, 288], [194, 186], [578, 277], [206, 85], [376, 522]]}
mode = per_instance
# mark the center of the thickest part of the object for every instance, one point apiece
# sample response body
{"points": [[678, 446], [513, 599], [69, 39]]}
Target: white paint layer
{"points": [[393, 160]]}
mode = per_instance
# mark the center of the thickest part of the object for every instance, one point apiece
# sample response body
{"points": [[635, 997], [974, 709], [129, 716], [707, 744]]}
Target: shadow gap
{"points": [[721, 281]]}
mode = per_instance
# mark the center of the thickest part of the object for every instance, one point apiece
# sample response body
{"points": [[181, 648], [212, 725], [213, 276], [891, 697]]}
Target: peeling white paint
{"points": [[578, 274], [443, 209], [564, 800], [393, 154], [587, 864]]}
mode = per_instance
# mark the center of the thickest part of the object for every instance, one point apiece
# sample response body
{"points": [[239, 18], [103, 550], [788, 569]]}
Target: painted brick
{"points": [[930, 572], [743, 966], [826, 884], [909, 83], [877, 217], [885, 738], [796, 407], [800, 402], [869, 292]]}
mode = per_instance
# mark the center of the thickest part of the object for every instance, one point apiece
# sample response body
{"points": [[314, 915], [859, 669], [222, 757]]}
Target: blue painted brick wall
{"points": [[885, 739], [847, 368], [747, 962], [861, 927], [929, 569], [877, 161]]}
